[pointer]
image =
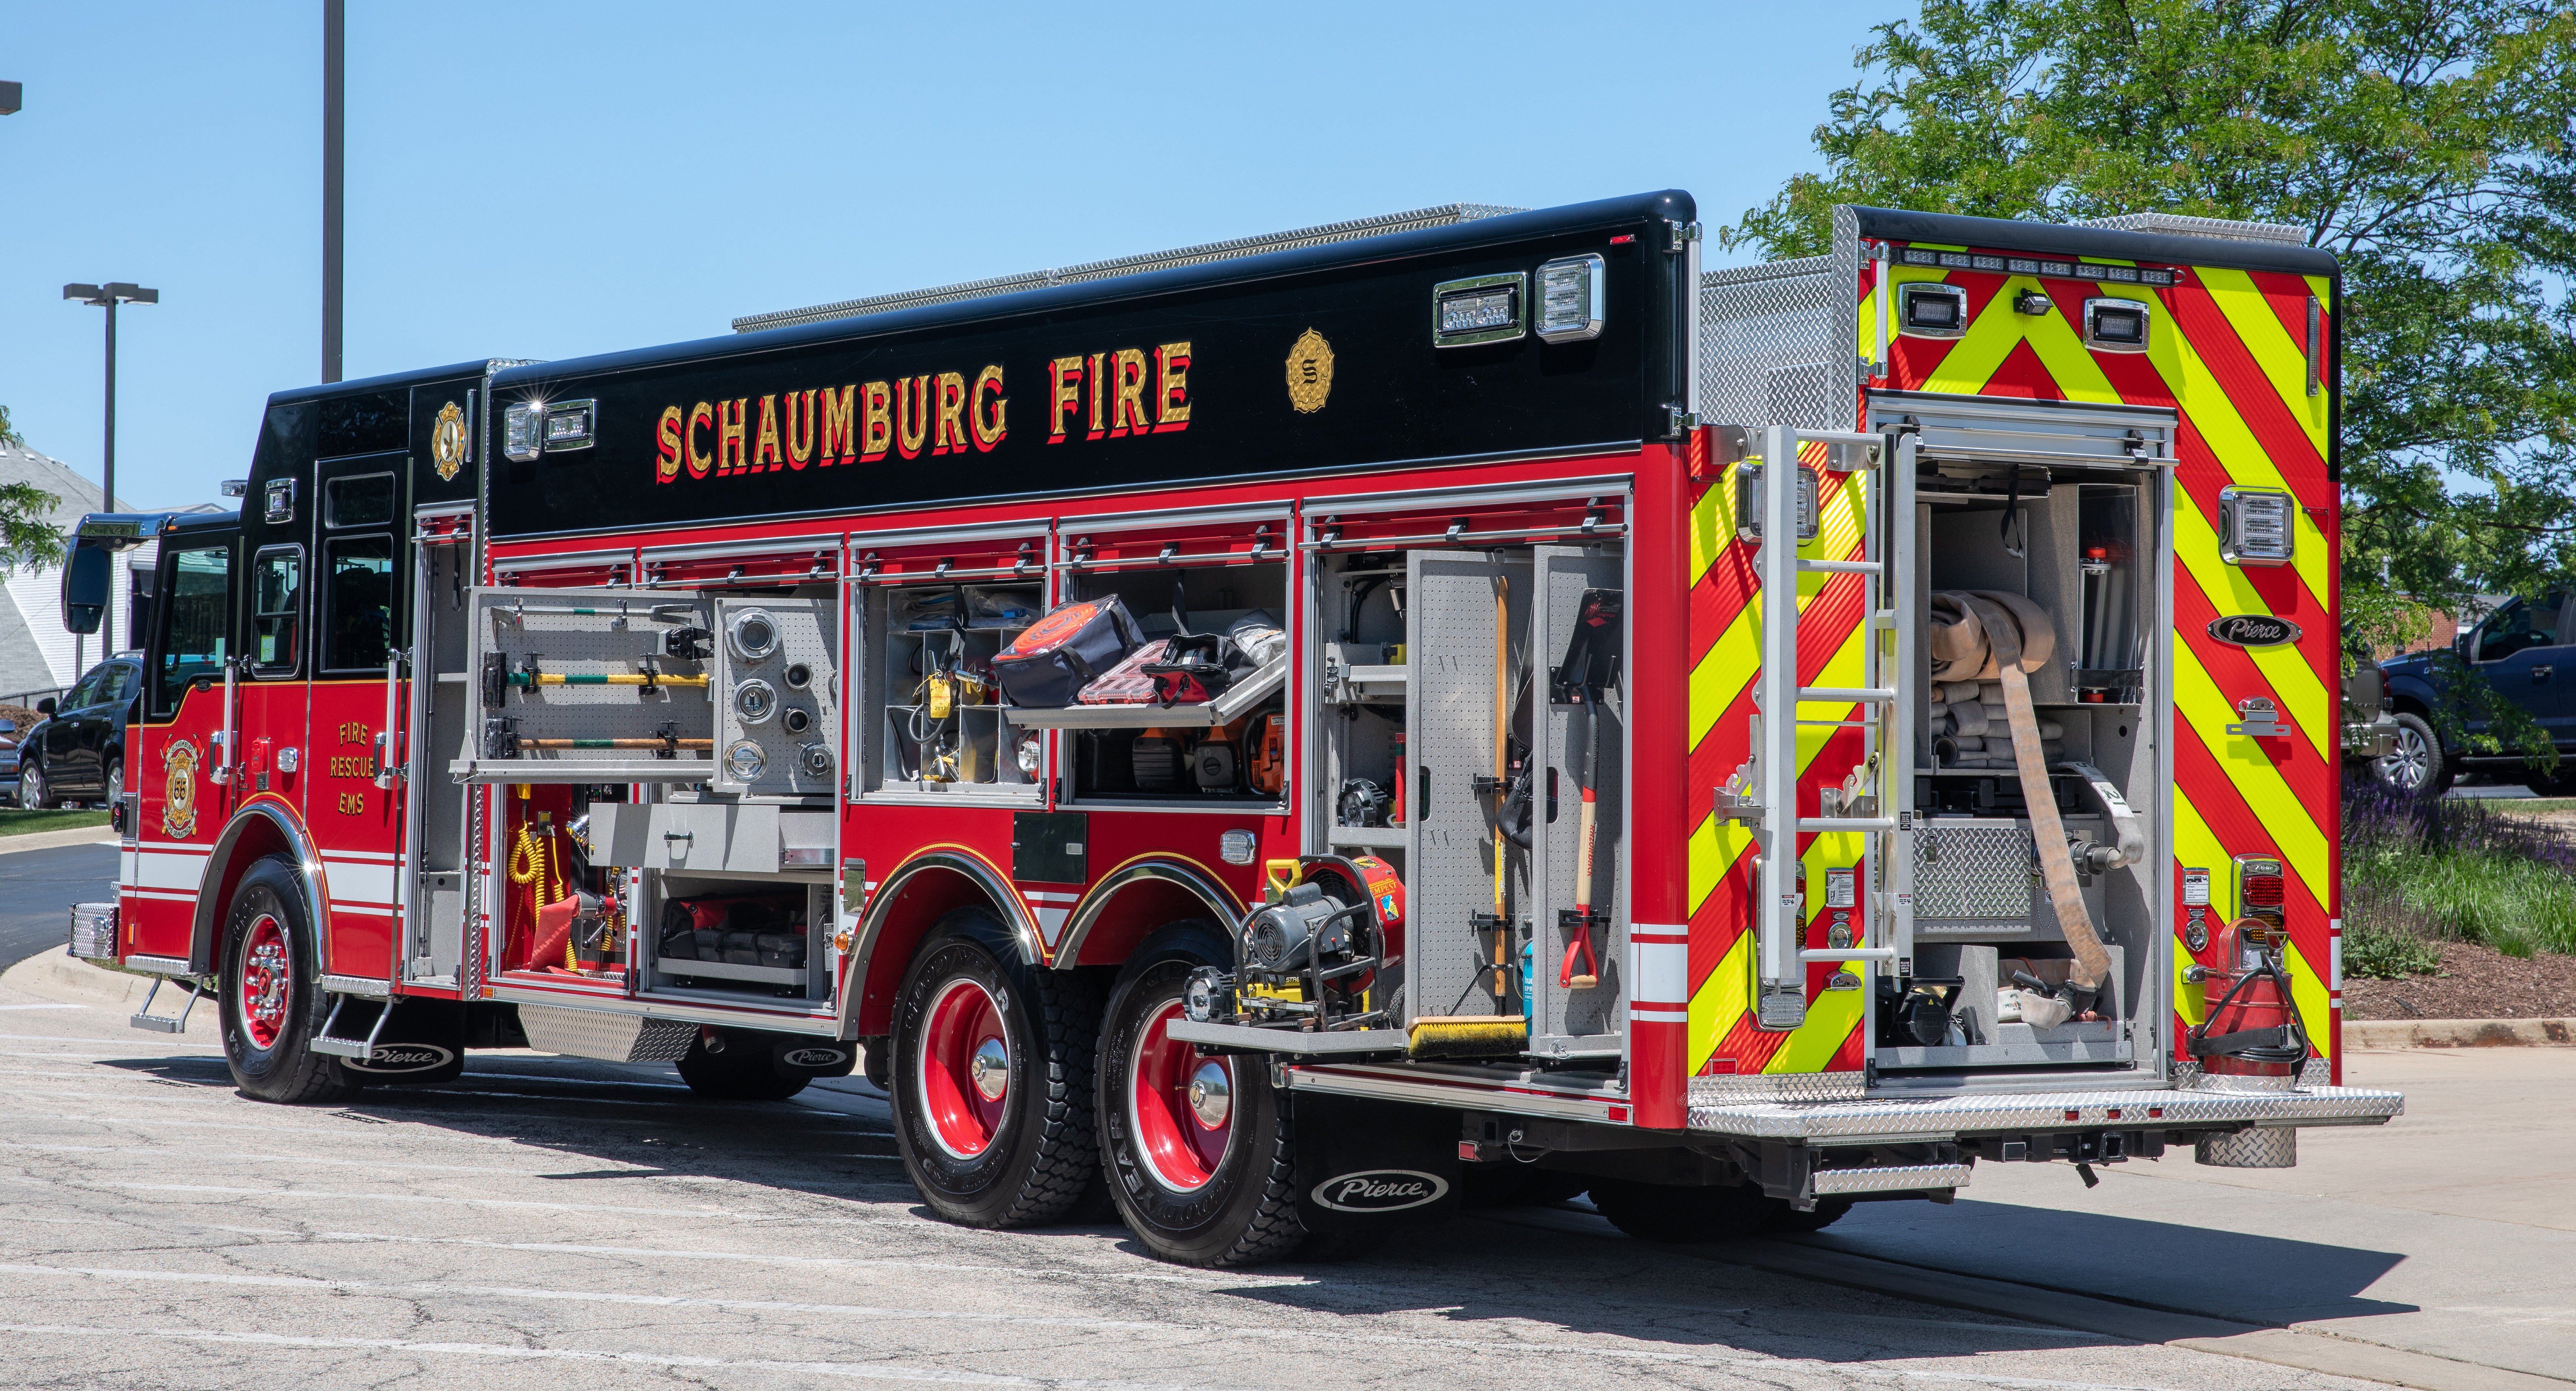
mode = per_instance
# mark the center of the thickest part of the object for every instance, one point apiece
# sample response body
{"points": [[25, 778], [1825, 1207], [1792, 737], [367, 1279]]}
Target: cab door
{"points": [[360, 628], [174, 747]]}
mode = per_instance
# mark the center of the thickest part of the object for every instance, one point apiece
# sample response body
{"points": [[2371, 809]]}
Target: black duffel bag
{"points": [[1048, 664]]}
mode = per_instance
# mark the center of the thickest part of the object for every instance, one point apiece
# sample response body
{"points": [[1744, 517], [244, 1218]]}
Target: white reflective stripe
{"points": [[1658, 965], [358, 880], [164, 871], [378, 910], [2334, 958]]}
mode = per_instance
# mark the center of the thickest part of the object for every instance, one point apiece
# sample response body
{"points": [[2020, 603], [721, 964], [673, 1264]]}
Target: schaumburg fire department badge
{"points": [[179, 791], [447, 441], [1310, 372]]}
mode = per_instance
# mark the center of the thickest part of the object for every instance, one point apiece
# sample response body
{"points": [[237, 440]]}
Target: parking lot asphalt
{"points": [[558, 1223], [38, 888]]}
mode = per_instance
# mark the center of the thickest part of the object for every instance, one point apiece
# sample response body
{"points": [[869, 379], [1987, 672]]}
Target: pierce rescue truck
{"points": [[1289, 731]]}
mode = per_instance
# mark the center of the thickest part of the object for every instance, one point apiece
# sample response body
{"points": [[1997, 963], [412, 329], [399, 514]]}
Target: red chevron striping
{"points": [[1750, 1047], [2256, 400], [1719, 919], [1720, 594], [2022, 374], [1726, 745], [2310, 776], [2240, 832], [2288, 296]]}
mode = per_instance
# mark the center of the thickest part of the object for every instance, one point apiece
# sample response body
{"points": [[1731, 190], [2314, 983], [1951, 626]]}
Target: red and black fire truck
{"points": [[1291, 730]]}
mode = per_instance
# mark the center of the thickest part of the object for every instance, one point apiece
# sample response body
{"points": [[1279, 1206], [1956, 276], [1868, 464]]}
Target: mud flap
{"points": [[423, 1042], [1373, 1164], [813, 1057]]}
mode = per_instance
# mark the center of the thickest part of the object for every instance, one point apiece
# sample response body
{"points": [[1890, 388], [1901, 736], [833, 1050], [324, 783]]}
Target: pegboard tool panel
{"points": [[589, 685]]}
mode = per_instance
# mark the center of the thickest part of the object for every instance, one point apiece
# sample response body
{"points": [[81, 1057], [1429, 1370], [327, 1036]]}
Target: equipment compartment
{"points": [[938, 726], [574, 685]]}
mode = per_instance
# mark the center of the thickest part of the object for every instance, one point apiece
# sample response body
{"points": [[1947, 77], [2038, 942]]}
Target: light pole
{"points": [[335, 145], [108, 296]]}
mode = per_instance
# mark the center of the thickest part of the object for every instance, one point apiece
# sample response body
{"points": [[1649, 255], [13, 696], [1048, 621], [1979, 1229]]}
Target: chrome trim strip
{"points": [[2099, 1110], [366, 986], [160, 965], [819, 1025], [1469, 1097], [1207, 887]]}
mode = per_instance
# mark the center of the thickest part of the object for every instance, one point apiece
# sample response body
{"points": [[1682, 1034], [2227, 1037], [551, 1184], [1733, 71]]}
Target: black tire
{"points": [[2418, 764], [1671, 1213], [114, 788], [737, 1070], [267, 940], [35, 791], [1038, 1157], [1781, 1219], [1242, 1207]]}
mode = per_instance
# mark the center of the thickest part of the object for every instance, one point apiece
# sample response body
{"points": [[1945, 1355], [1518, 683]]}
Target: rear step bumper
{"points": [[1935, 1118]]}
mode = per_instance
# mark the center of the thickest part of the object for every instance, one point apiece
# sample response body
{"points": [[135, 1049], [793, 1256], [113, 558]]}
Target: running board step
{"points": [[341, 1046], [145, 1019], [1894, 1178]]}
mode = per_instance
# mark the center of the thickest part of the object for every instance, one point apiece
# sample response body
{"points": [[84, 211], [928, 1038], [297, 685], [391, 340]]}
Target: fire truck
{"points": [[1280, 736]]}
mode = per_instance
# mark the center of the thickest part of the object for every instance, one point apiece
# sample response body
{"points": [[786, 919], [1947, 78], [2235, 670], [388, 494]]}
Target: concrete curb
{"points": [[55, 974], [48, 840], [2459, 1033]]}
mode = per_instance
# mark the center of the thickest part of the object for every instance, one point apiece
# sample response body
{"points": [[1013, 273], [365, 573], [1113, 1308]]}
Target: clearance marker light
{"points": [[1478, 309], [1569, 299], [2255, 526], [2116, 325], [568, 425], [521, 427], [1933, 310]]}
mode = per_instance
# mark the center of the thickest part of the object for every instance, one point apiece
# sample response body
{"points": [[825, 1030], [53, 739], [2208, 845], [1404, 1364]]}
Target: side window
{"points": [[83, 692], [2521, 625], [276, 605], [115, 684], [196, 589], [358, 603]]}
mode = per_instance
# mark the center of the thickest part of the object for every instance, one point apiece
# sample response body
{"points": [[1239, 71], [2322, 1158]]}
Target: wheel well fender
{"points": [[906, 904], [1135, 899], [257, 831]]}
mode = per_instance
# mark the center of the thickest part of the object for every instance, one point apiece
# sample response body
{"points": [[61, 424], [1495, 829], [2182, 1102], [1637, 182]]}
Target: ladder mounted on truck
{"points": [[1877, 802]]}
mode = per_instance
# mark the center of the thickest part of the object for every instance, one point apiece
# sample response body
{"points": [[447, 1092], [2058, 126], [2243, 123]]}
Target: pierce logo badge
{"points": [[2253, 630], [1310, 372], [179, 790], [405, 1057], [447, 441], [813, 1057], [1380, 1190]]}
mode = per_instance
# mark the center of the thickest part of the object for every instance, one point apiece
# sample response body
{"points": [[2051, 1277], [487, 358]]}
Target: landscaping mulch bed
{"points": [[2476, 983]]}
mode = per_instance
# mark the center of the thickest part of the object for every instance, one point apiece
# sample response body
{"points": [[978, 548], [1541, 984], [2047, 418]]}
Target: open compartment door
{"points": [[589, 686], [1579, 921]]}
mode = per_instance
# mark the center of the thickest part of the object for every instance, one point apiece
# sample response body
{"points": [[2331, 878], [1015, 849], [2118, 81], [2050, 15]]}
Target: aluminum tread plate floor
{"points": [[1953, 1115]]}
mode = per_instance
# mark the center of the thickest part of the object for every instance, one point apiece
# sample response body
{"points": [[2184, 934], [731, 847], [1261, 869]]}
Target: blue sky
{"points": [[548, 180]]}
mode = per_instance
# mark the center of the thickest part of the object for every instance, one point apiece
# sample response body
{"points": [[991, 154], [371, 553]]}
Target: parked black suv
{"points": [[2526, 650], [78, 752]]}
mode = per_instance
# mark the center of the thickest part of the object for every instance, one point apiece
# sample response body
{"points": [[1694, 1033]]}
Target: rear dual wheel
{"points": [[992, 1078]]}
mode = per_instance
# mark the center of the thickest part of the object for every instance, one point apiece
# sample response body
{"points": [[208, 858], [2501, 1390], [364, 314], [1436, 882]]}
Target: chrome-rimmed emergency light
{"points": [[2116, 325], [278, 502], [1478, 309], [1929, 309], [1749, 495], [2257, 526], [1570, 299], [522, 431], [568, 425]]}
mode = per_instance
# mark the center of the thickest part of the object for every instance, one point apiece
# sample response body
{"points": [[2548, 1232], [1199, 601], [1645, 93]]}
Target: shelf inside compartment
{"points": [[983, 739], [1368, 837], [1237, 700], [726, 970]]}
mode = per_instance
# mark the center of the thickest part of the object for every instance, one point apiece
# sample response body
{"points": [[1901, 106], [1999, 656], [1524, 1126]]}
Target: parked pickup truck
{"points": [[2522, 648]]}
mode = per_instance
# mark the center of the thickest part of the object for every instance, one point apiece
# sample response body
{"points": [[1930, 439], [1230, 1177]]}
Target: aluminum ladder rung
{"points": [[1839, 567], [1831, 955], [1846, 823], [1852, 695]]}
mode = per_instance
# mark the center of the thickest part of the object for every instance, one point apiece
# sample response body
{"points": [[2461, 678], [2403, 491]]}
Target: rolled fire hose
{"points": [[1990, 635]]}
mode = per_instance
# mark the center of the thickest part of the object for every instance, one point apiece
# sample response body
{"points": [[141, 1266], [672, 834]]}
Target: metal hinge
{"points": [[1683, 421], [1684, 233]]}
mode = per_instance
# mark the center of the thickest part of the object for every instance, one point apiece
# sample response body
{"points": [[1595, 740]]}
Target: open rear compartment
{"points": [[2050, 516], [1470, 732]]}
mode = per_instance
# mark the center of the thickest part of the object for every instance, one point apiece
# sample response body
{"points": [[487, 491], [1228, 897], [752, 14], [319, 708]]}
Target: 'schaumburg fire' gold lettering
{"points": [[986, 415], [838, 418], [666, 446]]}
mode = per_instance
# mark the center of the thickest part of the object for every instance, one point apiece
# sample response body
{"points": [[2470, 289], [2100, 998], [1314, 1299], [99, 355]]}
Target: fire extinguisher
{"points": [[2253, 1031]]}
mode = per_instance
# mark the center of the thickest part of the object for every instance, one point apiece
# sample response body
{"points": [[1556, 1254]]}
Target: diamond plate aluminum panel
{"points": [[616, 1038], [1782, 1086], [1770, 339], [1972, 869], [2262, 1147], [1894, 1178], [93, 933], [1954, 1115]]}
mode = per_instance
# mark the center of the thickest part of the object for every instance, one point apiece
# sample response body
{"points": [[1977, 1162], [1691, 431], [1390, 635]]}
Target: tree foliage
{"points": [[26, 536], [2430, 145]]}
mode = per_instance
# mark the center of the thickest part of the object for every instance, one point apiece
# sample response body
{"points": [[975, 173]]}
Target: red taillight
{"points": [[2262, 889], [2264, 892]]}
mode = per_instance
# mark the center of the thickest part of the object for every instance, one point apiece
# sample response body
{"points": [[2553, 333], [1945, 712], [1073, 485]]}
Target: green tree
{"points": [[2430, 145], [26, 537]]}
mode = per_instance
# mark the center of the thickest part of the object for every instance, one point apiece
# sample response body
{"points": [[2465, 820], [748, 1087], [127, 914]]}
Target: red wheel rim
{"points": [[1182, 1105], [965, 1069], [264, 976]]}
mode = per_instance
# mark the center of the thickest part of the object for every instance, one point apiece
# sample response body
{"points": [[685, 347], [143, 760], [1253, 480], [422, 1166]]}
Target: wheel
{"points": [[2559, 784], [1198, 1150], [33, 792], [2416, 764], [115, 781], [272, 1009], [1779, 1217], [739, 1072], [992, 1072], [1667, 1212]]}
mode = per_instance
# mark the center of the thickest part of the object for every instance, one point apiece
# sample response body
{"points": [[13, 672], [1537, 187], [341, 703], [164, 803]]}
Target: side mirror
{"points": [[85, 588], [8, 726], [46, 707]]}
